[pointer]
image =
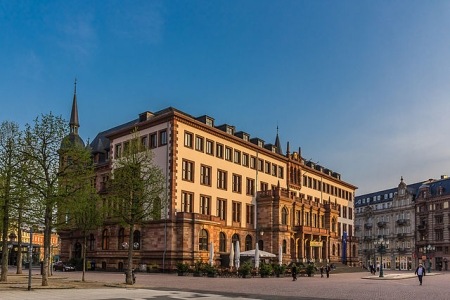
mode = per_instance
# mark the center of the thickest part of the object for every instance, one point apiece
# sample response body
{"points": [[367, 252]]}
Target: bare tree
{"points": [[41, 144], [9, 161], [135, 191]]}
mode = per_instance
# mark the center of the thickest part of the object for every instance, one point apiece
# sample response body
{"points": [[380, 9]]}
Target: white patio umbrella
{"points": [[211, 254], [237, 256], [280, 255], [231, 256], [257, 256]]}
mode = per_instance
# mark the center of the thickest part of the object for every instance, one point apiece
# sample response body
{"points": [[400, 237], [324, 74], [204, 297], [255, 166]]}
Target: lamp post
{"points": [[382, 245], [427, 251], [30, 255]]}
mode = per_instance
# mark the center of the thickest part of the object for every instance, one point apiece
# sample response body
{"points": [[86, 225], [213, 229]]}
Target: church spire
{"points": [[278, 144], [74, 123]]}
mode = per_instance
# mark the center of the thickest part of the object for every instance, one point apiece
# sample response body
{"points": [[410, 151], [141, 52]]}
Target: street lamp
{"points": [[381, 244], [428, 249]]}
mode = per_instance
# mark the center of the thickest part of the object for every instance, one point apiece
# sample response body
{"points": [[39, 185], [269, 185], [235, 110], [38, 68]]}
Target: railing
{"points": [[422, 227], [381, 224], [368, 225], [402, 222], [401, 236]]}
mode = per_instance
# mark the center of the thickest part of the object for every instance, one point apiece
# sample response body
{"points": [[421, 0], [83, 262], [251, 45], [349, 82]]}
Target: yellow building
{"points": [[223, 186]]}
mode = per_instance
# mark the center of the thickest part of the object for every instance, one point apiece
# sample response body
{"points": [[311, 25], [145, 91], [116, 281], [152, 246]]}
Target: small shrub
{"points": [[245, 269], [265, 269], [182, 268]]}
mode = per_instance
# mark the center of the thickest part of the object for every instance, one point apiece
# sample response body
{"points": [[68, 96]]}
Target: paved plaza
{"points": [[109, 286]]}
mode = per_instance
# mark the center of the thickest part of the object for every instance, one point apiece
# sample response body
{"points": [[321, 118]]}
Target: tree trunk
{"points": [[47, 239], [84, 256], [129, 279]]}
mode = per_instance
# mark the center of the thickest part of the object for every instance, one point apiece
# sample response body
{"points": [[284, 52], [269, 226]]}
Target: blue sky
{"points": [[361, 86]]}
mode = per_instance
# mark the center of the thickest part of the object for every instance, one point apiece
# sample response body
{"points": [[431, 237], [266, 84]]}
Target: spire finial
{"points": [[75, 87]]}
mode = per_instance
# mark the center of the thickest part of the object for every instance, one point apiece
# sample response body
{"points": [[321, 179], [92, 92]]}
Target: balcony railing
{"points": [[382, 224], [368, 226], [422, 227], [401, 236], [402, 222], [368, 238]]}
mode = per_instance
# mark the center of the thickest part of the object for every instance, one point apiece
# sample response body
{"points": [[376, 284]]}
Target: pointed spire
{"points": [[74, 123], [278, 144]]}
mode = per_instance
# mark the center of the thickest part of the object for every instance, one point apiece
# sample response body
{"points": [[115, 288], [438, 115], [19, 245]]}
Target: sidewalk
{"points": [[396, 276]]}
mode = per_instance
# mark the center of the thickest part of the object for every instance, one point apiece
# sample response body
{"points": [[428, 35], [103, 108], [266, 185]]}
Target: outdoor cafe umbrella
{"points": [[237, 255], [280, 255], [262, 254], [211, 254], [257, 256], [231, 256]]}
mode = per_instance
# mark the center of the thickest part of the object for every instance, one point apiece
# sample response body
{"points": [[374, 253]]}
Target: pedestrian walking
{"points": [[294, 272], [327, 270], [420, 272], [321, 271]]}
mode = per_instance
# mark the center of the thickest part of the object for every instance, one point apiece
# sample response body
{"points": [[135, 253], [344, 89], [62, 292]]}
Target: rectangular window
{"points": [[250, 214], [237, 157], [219, 150], [228, 152], [264, 186], [237, 183], [188, 137], [350, 213], [188, 170], [118, 151], [222, 208], [187, 200], [280, 172], [221, 179], [267, 167], [274, 170], [199, 143], [209, 147], [252, 162], [236, 208], [163, 137], [205, 203], [250, 187], [153, 140], [144, 141], [205, 175], [245, 159], [260, 165]]}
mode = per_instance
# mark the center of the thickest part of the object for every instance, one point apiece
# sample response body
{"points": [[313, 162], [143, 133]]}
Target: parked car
{"points": [[60, 266]]}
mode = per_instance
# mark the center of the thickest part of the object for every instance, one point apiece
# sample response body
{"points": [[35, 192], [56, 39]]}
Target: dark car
{"points": [[60, 266]]}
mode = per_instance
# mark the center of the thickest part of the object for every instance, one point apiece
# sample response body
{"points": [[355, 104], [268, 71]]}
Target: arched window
{"points": [[235, 238], [333, 225], [339, 250], [105, 240], [136, 240], [222, 242], [261, 245], [203, 240], [284, 247], [334, 249], [91, 242], [284, 216], [248, 243], [77, 250], [121, 238]]}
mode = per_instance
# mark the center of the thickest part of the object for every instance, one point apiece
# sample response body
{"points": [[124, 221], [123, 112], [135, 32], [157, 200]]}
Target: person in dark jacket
{"points": [[294, 272], [327, 270], [420, 272]]}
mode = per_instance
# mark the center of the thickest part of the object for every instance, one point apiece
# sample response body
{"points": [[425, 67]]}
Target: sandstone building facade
{"points": [[222, 186]]}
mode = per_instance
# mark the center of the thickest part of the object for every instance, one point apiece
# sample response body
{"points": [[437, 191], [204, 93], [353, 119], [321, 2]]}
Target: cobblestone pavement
{"points": [[109, 286]]}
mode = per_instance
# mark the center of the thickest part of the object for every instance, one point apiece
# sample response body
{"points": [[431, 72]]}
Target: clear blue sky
{"points": [[361, 86]]}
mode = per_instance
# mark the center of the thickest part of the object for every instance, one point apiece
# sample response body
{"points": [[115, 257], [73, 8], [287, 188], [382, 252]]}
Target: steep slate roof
{"points": [[414, 189]]}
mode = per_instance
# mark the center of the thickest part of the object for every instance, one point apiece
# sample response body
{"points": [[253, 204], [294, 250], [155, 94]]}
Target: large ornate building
{"points": [[222, 186], [413, 221]]}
